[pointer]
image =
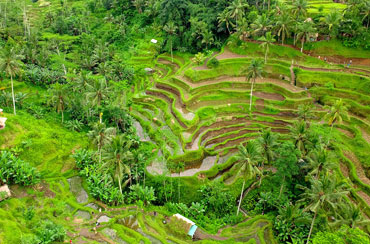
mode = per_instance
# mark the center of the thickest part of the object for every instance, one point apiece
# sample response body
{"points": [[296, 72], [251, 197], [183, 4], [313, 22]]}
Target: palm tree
{"points": [[350, 215], [224, 17], [236, 10], [59, 97], [324, 194], [298, 132], [283, 26], [116, 159], [268, 140], [171, 29], [248, 157], [304, 32], [97, 91], [207, 38], [267, 41], [305, 112], [336, 113], [254, 70], [332, 20], [320, 160], [299, 8], [366, 13], [10, 63], [101, 135], [261, 25]]}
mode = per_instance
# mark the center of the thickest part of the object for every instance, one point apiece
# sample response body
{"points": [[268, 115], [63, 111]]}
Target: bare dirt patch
{"points": [[365, 135], [359, 170], [346, 132], [364, 196], [270, 96]]}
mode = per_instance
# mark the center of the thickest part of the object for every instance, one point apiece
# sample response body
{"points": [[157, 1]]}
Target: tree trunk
{"points": [[179, 186], [266, 55], [302, 42], [251, 95], [309, 234], [282, 186], [62, 117], [119, 183], [171, 51], [11, 81], [240, 199]]}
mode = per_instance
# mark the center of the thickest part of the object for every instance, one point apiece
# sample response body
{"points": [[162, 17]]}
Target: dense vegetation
{"points": [[249, 117]]}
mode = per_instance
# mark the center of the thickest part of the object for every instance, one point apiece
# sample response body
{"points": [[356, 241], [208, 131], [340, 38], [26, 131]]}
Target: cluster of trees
{"points": [[302, 189]]}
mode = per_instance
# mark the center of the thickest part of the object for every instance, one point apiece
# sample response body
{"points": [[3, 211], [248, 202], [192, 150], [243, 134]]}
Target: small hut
{"points": [[188, 225]]}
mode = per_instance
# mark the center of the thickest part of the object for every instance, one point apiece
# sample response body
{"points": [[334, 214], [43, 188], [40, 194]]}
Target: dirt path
{"points": [[364, 196], [365, 135], [240, 79], [346, 132], [347, 70], [359, 170]]}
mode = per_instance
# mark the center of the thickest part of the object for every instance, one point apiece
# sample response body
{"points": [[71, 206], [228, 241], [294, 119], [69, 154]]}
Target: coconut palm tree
{"points": [[261, 25], [248, 157], [254, 71], [324, 194], [268, 140], [267, 41], [320, 160], [97, 91], [116, 159], [350, 215], [236, 10], [283, 26], [336, 113], [298, 132], [305, 112], [366, 13], [10, 63], [332, 20], [305, 30], [100, 136], [171, 29], [224, 17], [59, 97], [299, 8], [207, 38]]}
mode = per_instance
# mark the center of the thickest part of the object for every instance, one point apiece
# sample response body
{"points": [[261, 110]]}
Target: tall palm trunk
{"points": [[282, 186], [179, 186], [11, 81], [240, 199], [251, 95], [302, 42], [171, 51], [266, 51], [309, 234]]}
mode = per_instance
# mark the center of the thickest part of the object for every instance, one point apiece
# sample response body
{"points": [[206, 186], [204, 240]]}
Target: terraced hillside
{"points": [[208, 111]]}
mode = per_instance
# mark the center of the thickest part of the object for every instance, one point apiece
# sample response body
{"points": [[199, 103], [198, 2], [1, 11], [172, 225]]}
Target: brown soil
{"points": [[200, 235], [213, 133], [239, 79], [365, 135], [270, 96], [364, 196], [227, 54], [347, 70], [169, 100], [224, 138], [359, 170], [346, 132], [234, 142], [344, 170], [18, 192], [44, 187]]}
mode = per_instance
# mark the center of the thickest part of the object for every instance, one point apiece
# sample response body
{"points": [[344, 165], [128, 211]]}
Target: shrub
{"points": [[48, 232], [140, 193], [213, 63], [83, 158], [16, 171], [43, 76]]}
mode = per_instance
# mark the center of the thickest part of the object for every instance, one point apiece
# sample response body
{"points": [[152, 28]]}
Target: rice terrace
{"points": [[184, 121]]}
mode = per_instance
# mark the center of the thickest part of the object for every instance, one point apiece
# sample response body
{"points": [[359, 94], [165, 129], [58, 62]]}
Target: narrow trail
{"points": [[239, 79], [359, 169]]}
